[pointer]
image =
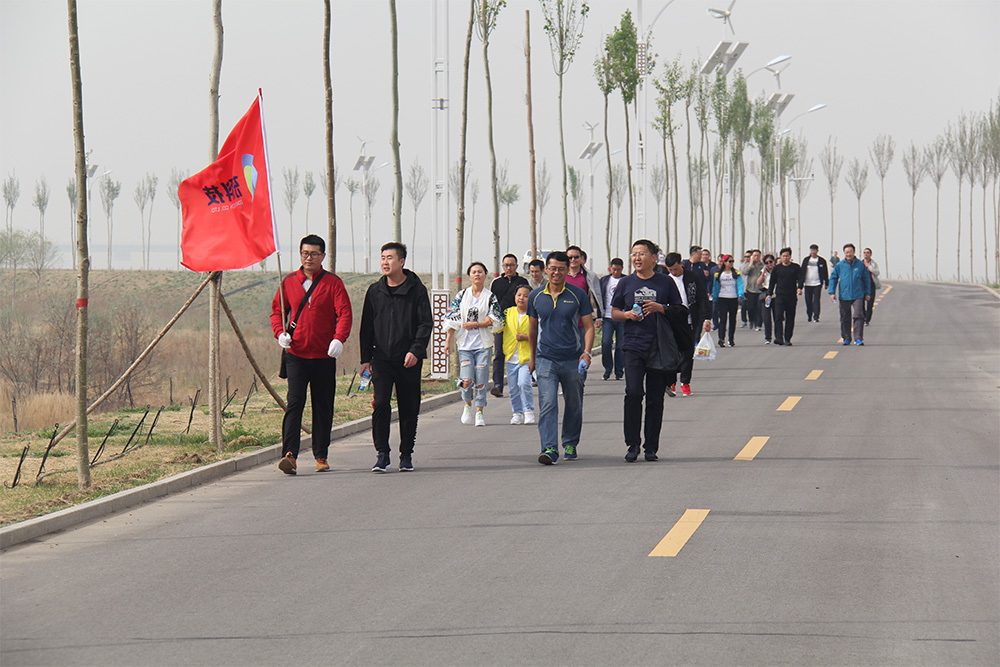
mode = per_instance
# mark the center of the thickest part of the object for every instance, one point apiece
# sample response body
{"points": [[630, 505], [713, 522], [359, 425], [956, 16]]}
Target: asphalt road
{"points": [[864, 531]]}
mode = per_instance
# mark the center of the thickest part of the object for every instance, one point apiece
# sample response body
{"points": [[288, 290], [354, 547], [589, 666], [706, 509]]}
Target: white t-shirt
{"points": [[727, 285], [812, 272], [475, 309], [679, 281], [612, 284]]}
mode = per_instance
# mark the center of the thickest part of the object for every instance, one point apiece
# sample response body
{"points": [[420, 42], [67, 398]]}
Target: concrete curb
{"points": [[95, 509]]}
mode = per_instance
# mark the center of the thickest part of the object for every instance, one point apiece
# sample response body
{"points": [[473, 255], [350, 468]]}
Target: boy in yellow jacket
{"points": [[517, 353]]}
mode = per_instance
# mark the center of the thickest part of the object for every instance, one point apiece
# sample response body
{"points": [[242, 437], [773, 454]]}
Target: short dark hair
{"points": [[575, 247], [768, 256], [521, 287], [650, 246], [694, 249], [754, 250], [867, 250], [784, 250], [312, 239], [617, 261], [671, 258], [400, 249], [851, 246], [814, 247], [536, 262], [558, 256], [513, 256], [468, 271]]}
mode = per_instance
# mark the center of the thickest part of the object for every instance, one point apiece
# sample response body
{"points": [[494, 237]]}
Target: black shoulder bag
{"points": [[290, 330]]}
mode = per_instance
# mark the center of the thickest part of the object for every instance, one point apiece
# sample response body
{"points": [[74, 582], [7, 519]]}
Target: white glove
{"points": [[285, 340], [336, 347]]}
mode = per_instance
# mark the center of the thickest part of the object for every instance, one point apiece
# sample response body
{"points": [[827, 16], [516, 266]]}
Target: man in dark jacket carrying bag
{"points": [[396, 326], [319, 322]]}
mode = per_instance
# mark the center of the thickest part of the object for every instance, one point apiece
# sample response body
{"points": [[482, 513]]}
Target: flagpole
{"points": [[281, 293]]}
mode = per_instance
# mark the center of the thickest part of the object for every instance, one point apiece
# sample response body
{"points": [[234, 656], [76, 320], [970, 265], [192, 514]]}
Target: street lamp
{"points": [[589, 153], [784, 187], [772, 67]]}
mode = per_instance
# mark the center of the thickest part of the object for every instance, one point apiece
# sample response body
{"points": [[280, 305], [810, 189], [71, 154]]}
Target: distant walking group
{"points": [[538, 333]]}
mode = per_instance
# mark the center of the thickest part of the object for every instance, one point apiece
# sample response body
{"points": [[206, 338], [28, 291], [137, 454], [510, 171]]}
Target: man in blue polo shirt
{"points": [[554, 309]]}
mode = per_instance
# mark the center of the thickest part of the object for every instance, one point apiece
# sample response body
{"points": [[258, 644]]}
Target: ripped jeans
{"points": [[474, 365]]}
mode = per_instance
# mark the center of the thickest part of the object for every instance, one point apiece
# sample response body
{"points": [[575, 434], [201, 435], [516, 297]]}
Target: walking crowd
{"points": [[535, 334]]}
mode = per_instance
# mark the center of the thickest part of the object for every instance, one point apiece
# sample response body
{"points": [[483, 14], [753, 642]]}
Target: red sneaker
{"points": [[686, 389]]}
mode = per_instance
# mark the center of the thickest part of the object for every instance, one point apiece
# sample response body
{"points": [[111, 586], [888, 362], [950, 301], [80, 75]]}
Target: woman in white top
{"points": [[475, 316], [727, 290]]}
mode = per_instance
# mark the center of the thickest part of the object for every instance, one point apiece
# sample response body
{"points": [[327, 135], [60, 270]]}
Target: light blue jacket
{"points": [[853, 279], [717, 285]]}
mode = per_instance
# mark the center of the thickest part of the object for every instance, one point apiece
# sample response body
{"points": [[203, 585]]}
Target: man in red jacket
{"points": [[313, 336]]}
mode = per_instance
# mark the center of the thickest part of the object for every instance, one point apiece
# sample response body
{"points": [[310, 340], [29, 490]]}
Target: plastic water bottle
{"points": [[366, 378], [637, 309]]}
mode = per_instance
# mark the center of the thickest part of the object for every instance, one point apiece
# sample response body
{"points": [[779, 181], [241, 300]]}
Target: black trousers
{"points": [[813, 294], [784, 316], [870, 305], [767, 314], [752, 304], [320, 376], [687, 356], [640, 383], [385, 376], [726, 309], [499, 362]]}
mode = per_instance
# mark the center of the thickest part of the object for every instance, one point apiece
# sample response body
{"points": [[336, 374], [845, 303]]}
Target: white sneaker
{"points": [[517, 419], [467, 415], [479, 418], [529, 417]]}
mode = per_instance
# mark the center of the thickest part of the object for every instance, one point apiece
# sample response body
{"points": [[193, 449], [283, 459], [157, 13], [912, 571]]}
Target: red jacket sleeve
{"points": [[276, 324], [345, 315]]}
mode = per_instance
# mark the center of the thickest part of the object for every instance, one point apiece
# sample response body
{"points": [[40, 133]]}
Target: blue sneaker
{"points": [[382, 464], [548, 457], [570, 453], [846, 342], [859, 342]]}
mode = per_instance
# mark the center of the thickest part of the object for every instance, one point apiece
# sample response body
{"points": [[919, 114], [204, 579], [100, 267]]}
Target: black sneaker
{"points": [[607, 374], [651, 456], [632, 454], [382, 464], [405, 463], [671, 392], [497, 391], [778, 342]]}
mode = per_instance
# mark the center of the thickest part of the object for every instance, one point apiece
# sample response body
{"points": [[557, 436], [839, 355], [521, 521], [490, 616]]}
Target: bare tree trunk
{"points": [[972, 269], [958, 244], [913, 236], [493, 158], [885, 231], [628, 173], [397, 166], [562, 153], [531, 141], [82, 254], [463, 134], [986, 246], [607, 148], [331, 204], [937, 235], [214, 370]]}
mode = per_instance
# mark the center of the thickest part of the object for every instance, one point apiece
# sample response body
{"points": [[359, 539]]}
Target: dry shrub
{"points": [[35, 411]]}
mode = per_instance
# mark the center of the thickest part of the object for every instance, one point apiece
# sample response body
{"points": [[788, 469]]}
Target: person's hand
{"points": [[650, 307], [531, 365], [522, 336], [336, 347], [410, 360], [708, 326], [799, 292], [586, 358], [868, 297], [833, 297], [598, 323], [365, 367], [285, 340]]}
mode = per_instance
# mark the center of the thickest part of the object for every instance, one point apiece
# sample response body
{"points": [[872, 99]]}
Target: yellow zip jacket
{"points": [[510, 330]]}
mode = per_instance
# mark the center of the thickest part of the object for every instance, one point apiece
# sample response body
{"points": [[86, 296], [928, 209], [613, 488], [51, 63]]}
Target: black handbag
{"points": [[290, 329]]}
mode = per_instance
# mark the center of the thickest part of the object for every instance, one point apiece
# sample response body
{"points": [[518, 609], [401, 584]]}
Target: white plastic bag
{"points": [[706, 348]]}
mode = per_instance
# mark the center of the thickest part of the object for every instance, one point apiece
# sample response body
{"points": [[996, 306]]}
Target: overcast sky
{"points": [[903, 67]]}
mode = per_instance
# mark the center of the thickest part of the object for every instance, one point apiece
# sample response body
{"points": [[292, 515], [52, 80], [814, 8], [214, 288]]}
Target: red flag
{"points": [[228, 216]]}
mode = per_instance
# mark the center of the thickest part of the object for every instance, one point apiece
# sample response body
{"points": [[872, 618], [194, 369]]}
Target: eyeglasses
{"points": [[573, 256], [639, 255], [310, 255]]}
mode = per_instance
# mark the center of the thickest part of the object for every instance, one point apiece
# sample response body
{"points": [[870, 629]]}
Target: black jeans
{"points": [[499, 361], [784, 316], [726, 309], [613, 361], [385, 375], [813, 293], [767, 314], [753, 305], [320, 375], [870, 305], [640, 383]]}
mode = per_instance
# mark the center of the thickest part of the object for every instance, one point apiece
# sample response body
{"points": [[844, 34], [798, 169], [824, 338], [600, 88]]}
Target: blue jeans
{"points": [[551, 374], [617, 361], [519, 385], [475, 365]]}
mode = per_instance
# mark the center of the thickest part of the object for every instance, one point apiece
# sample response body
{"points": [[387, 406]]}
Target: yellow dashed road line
{"points": [[752, 448], [789, 403], [832, 354], [814, 375], [678, 536]]}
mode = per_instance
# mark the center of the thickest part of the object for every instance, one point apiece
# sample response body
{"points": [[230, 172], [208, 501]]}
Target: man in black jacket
{"points": [[785, 287], [815, 277], [396, 326], [694, 296], [503, 287]]}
